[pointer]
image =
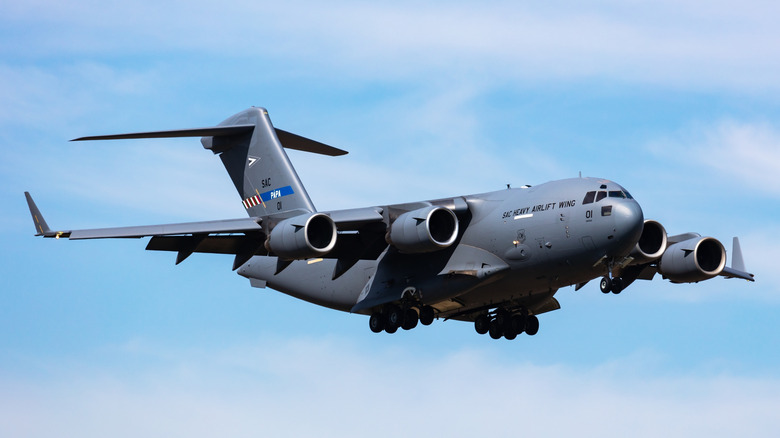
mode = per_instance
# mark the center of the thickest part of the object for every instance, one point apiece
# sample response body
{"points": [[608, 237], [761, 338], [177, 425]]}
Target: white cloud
{"points": [[749, 153], [743, 154], [671, 43], [331, 387]]}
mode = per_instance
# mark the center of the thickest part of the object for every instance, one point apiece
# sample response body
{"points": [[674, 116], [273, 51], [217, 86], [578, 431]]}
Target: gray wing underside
{"points": [[361, 237], [245, 225]]}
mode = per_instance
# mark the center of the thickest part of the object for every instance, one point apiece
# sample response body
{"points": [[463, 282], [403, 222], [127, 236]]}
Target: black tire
{"points": [[427, 315], [510, 335], [395, 317], [410, 319], [503, 317], [617, 285], [482, 324], [532, 325], [518, 323], [377, 322], [605, 285], [495, 330], [391, 329]]}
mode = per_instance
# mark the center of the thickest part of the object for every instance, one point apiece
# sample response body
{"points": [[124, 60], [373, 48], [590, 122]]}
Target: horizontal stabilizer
{"points": [[294, 141], [213, 131], [288, 139]]}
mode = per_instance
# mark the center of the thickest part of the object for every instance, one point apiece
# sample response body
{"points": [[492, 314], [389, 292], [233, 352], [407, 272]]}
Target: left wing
{"points": [[242, 237], [361, 236]]}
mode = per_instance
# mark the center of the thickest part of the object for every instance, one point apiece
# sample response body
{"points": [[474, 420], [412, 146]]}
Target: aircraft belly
{"points": [[312, 280]]}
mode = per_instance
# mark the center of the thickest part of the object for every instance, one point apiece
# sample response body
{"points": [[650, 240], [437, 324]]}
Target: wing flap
{"points": [[242, 225], [209, 244]]}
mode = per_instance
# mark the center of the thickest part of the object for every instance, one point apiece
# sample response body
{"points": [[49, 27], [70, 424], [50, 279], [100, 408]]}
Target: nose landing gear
{"points": [[614, 285]]}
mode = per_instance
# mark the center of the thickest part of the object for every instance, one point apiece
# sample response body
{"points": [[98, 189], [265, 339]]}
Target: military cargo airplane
{"points": [[494, 259]]}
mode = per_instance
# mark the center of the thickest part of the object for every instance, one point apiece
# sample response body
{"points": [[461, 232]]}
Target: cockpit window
{"points": [[589, 198], [600, 195], [617, 194]]}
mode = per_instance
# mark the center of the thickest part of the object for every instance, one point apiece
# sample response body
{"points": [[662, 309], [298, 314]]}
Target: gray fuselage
{"points": [[519, 245]]}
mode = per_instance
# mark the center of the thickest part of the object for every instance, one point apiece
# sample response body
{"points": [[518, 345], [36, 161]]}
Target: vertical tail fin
{"points": [[259, 166]]}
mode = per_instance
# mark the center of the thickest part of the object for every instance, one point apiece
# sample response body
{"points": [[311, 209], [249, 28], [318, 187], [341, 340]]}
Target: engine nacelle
{"points": [[425, 230], [652, 243], [302, 237], [693, 260]]}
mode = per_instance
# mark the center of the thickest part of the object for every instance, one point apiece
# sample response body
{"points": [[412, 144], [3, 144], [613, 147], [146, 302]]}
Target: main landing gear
{"points": [[614, 285], [506, 324], [392, 317]]}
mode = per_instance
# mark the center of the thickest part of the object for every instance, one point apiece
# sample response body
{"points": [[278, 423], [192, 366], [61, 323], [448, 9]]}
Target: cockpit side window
{"points": [[617, 194], [601, 195], [589, 198]]}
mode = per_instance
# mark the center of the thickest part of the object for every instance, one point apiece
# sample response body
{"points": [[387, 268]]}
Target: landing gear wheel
{"points": [[605, 285], [617, 285], [410, 320], [426, 315], [495, 330], [509, 334], [503, 317], [376, 322], [482, 324], [391, 329], [518, 323], [395, 317], [532, 325]]}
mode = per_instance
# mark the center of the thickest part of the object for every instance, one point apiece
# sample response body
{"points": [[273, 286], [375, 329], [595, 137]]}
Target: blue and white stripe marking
{"points": [[270, 195]]}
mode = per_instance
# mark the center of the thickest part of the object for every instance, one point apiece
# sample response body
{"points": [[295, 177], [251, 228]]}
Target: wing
{"points": [[361, 235], [242, 237], [683, 258]]}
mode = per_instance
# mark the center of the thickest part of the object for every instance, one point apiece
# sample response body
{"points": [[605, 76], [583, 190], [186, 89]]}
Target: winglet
{"points": [[737, 262], [41, 227], [737, 268]]}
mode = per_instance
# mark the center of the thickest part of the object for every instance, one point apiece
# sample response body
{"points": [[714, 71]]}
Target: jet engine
{"points": [[424, 230], [652, 243], [302, 237], [693, 260]]}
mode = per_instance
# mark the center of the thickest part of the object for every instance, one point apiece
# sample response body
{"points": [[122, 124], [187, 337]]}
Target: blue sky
{"points": [[677, 102]]}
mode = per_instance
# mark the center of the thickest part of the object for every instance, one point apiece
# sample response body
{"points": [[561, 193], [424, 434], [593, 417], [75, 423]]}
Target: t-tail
{"points": [[252, 151]]}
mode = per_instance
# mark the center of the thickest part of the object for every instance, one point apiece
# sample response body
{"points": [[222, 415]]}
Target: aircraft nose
{"points": [[629, 220]]}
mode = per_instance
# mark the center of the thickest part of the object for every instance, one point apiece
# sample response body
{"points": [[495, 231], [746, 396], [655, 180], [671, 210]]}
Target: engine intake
{"points": [[652, 243], [424, 230], [693, 260], [302, 237]]}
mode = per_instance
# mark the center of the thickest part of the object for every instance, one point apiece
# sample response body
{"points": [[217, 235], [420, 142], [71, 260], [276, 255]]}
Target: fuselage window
{"points": [[606, 210], [589, 198], [600, 196]]}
